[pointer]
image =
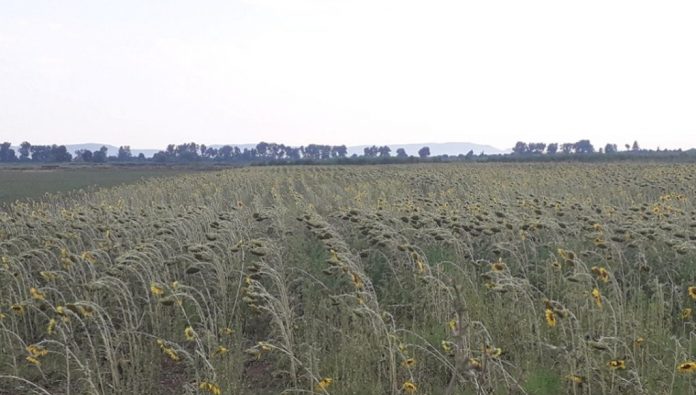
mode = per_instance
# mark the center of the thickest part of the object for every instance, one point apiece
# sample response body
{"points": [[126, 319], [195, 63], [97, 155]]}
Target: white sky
{"points": [[148, 73]]}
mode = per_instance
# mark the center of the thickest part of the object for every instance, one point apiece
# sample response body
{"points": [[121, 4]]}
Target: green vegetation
{"points": [[33, 182], [280, 154], [424, 279]]}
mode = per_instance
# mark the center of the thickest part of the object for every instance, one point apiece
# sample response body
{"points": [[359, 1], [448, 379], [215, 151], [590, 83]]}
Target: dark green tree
{"points": [[312, 152], [520, 148], [262, 149], [536, 148], [293, 153], [384, 151], [187, 152], [339, 151], [567, 148], [424, 152], [59, 153], [124, 153], [225, 153], [552, 148], [584, 147], [7, 154], [371, 152], [40, 153], [325, 151], [24, 150], [83, 155], [100, 156]]}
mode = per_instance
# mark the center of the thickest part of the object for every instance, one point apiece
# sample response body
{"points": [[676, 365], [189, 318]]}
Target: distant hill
{"points": [[411, 149], [112, 150], [92, 147], [436, 149]]}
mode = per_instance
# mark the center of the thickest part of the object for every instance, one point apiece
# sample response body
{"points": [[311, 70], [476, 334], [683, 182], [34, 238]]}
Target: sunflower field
{"points": [[416, 279]]}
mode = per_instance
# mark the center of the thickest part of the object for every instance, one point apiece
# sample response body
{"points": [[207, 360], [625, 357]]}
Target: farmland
{"points": [[34, 181], [421, 279]]}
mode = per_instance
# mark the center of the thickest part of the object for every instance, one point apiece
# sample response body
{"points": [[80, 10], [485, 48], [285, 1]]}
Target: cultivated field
{"points": [[427, 279], [34, 181]]}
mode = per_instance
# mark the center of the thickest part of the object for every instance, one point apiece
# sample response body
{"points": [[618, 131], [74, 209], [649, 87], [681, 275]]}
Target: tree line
{"points": [[279, 153], [56, 154], [191, 152], [579, 147]]}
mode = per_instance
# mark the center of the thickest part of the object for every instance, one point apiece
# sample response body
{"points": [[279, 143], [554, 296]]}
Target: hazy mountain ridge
{"points": [[411, 149], [112, 150], [435, 148]]}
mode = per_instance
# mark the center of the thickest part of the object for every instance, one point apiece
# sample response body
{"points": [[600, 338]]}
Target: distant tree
{"points": [[552, 148], [236, 153], [339, 151], [59, 153], [24, 150], [293, 153], [584, 147], [325, 151], [371, 152], [100, 156], [610, 148], [469, 155], [262, 149], [141, 156], [384, 151], [520, 148], [50, 153], [279, 151], [635, 147], [312, 152], [401, 153], [225, 153], [40, 153], [627, 146], [187, 152], [83, 155], [567, 148], [317, 152], [424, 152], [124, 153], [536, 148], [250, 154], [7, 154], [210, 152], [160, 156]]}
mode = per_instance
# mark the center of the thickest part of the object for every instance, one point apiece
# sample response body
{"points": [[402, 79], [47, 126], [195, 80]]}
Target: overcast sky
{"points": [[148, 73]]}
